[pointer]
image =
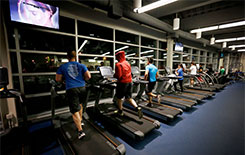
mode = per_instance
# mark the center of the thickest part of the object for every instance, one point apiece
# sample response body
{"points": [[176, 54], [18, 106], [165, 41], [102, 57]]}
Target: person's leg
{"points": [[77, 120], [119, 95], [81, 114], [181, 85], [175, 86]]}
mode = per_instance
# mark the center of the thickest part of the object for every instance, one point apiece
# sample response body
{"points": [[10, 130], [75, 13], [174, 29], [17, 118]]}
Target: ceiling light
{"points": [[233, 48], [198, 35], [130, 54], [205, 29], [240, 38], [236, 46], [212, 41], [176, 23], [224, 45], [241, 23], [241, 50], [153, 5], [106, 53], [124, 47], [225, 40], [149, 56], [149, 51]]}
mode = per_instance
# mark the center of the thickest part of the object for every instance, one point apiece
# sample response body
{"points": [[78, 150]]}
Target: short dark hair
{"points": [[193, 63], [150, 60], [71, 54]]}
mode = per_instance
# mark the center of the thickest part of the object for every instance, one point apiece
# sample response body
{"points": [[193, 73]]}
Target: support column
{"points": [[227, 64], [170, 43]]}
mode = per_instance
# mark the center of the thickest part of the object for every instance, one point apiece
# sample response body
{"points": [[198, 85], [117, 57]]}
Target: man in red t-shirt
{"points": [[124, 83]]}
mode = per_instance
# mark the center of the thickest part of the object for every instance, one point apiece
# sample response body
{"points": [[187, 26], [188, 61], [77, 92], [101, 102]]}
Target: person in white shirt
{"points": [[193, 70]]}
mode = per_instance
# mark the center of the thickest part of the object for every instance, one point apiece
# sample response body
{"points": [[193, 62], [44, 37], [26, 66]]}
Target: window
{"points": [[37, 84], [133, 62], [176, 56], [93, 63], [16, 82], [162, 45], [202, 59], [130, 51], [148, 53], [195, 59], [66, 25], [202, 53], [14, 64], [127, 37], [41, 62], [148, 42], [162, 55], [194, 51], [187, 50], [36, 40], [96, 47], [161, 64], [143, 63], [95, 31], [186, 57], [11, 36], [175, 65]]}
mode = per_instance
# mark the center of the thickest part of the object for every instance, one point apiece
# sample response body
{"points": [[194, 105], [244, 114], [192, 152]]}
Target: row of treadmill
{"points": [[99, 118]]}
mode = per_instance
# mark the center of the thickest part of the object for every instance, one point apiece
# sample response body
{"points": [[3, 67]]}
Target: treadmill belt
{"points": [[92, 143], [169, 99]]}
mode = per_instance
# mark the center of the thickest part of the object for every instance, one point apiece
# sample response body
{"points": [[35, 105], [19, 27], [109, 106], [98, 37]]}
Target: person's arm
{"points": [[58, 77], [118, 72], [157, 75], [146, 75], [87, 75]]}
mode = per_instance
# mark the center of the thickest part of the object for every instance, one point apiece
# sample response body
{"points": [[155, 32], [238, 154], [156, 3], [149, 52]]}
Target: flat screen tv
{"points": [[178, 47], [35, 13]]}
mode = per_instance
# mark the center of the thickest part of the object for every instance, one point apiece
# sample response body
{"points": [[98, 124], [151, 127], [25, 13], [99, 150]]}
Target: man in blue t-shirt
{"points": [[75, 75], [151, 73], [179, 72]]}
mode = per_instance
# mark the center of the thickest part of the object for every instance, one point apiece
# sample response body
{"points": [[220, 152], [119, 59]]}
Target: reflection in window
{"points": [[143, 63], [133, 62], [96, 31], [96, 47], [130, 51], [186, 57], [195, 59], [14, 64], [11, 37], [37, 84], [41, 62], [163, 45], [208, 53], [161, 64], [187, 50], [162, 55], [127, 37], [202, 53], [202, 59], [209, 60], [145, 53], [194, 51], [16, 82], [175, 65], [66, 25], [148, 42], [176, 56], [45, 41], [93, 63]]}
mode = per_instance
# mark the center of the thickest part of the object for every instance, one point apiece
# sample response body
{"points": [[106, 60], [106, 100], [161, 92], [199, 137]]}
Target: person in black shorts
{"points": [[75, 75], [124, 83]]}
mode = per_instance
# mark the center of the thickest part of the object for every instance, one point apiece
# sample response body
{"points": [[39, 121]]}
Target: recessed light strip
{"points": [[229, 39]]}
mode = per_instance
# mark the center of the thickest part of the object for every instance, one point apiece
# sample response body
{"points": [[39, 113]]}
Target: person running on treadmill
{"points": [[124, 83], [222, 70], [151, 73], [179, 72], [75, 75], [193, 70]]}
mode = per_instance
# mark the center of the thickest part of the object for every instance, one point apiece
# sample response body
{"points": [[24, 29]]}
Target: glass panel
{"points": [[161, 64], [186, 57], [194, 51], [143, 63], [195, 58], [163, 45], [11, 37], [41, 62], [148, 42], [175, 65], [202, 53], [16, 82], [176, 56], [36, 40], [208, 54], [187, 50], [127, 37], [133, 62], [66, 25], [96, 47], [162, 55], [14, 64], [148, 53], [130, 51], [202, 59], [37, 84], [93, 63], [96, 31], [37, 105], [209, 60]]}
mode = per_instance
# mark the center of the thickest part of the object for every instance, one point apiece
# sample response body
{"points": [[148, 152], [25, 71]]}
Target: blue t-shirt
{"points": [[180, 71], [73, 73], [152, 72]]}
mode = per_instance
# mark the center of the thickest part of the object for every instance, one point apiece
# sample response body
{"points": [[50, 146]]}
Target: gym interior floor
{"points": [[215, 126]]}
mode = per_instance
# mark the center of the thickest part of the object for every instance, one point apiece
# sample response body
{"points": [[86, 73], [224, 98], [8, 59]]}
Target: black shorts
{"points": [[150, 87], [124, 90], [75, 97]]}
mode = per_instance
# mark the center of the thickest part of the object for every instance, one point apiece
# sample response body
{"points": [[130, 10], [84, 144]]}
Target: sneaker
{"points": [[81, 134], [140, 114], [120, 112], [158, 98], [149, 105]]}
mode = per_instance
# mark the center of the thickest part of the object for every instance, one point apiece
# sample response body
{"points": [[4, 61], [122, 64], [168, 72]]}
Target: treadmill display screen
{"points": [[106, 71], [35, 13]]}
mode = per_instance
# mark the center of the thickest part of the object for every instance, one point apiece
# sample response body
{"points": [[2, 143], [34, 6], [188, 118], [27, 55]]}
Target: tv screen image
{"points": [[34, 12], [178, 47]]}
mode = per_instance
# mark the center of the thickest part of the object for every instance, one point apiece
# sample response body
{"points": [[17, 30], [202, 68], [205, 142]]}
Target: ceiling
{"points": [[204, 13]]}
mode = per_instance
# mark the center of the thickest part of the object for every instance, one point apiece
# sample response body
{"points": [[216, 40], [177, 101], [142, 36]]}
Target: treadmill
{"points": [[159, 111], [129, 123], [96, 141]]}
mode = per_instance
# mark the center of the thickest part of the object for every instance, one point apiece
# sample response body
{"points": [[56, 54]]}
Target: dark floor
{"points": [[215, 127]]}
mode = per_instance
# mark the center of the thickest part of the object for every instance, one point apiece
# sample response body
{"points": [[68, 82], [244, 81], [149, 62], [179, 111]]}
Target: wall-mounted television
{"points": [[35, 13], [178, 47]]}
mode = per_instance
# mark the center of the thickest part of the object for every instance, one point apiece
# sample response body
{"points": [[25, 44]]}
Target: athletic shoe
{"points": [[120, 112], [81, 134], [158, 98], [149, 105], [140, 114]]}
